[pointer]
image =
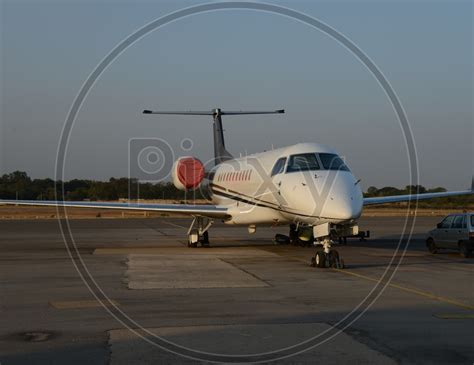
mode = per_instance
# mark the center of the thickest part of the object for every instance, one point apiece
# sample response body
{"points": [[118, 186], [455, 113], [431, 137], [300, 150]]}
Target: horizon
{"points": [[170, 181]]}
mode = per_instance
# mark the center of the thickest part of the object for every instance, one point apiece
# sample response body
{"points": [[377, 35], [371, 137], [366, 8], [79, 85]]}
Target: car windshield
{"points": [[303, 162], [446, 223], [331, 161]]}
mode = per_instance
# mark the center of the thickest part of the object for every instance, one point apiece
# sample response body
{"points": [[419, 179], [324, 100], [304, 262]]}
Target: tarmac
{"points": [[128, 291]]}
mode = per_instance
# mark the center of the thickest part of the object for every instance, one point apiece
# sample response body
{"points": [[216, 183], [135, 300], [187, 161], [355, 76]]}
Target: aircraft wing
{"points": [[211, 211], [415, 197]]}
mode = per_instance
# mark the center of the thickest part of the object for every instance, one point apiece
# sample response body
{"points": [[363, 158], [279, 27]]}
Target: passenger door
{"points": [[455, 233], [441, 235]]}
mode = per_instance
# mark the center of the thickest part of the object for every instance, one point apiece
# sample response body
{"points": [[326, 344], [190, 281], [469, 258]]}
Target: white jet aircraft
{"points": [[307, 186]]}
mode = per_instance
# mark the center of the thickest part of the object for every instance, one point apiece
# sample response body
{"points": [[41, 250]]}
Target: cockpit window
{"points": [[279, 166], [303, 162], [331, 161]]}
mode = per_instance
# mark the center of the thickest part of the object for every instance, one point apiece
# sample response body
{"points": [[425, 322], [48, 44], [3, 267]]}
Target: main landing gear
{"points": [[327, 258], [198, 232]]}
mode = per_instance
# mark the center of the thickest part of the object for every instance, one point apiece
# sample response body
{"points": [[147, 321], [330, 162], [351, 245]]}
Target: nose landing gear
{"points": [[327, 258]]}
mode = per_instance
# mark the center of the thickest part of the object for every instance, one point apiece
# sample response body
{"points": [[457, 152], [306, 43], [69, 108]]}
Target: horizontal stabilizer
{"points": [[214, 112], [178, 112]]}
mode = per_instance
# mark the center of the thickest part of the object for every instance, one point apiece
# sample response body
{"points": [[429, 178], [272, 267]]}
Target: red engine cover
{"points": [[190, 172]]}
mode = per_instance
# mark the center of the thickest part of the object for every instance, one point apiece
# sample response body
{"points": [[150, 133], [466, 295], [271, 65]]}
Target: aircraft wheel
{"points": [[193, 238], [281, 239], [336, 261], [320, 259], [205, 239], [293, 234]]}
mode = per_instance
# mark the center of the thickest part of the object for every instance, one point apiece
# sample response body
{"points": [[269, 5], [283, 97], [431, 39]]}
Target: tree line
{"points": [[18, 185]]}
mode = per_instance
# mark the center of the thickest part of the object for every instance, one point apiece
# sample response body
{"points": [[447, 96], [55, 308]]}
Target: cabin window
{"points": [[303, 162], [279, 166], [331, 161]]}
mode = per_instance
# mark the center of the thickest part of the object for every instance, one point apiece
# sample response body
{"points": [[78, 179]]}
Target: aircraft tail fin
{"points": [[220, 152]]}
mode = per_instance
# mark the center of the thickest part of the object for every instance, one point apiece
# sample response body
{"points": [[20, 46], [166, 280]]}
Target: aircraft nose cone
{"points": [[341, 208], [344, 202]]}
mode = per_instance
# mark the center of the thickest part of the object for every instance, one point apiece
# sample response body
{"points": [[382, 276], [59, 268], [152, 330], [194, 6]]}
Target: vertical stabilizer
{"points": [[220, 153]]}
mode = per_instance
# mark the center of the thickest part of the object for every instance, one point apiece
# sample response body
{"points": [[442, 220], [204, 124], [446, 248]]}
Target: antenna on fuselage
{"points": [[220, 152]]}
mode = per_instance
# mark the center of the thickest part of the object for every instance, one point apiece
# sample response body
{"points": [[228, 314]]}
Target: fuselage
{"points": [[304, 183]]}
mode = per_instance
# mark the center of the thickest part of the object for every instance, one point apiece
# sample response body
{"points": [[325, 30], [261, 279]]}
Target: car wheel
{"points": [[464, 250], [430, 243]]}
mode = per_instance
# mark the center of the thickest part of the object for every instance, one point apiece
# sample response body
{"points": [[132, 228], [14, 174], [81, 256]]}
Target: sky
{"points": [[239, 60]]}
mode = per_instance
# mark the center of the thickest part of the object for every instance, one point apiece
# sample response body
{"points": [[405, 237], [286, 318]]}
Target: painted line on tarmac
{"points": [[404, 288], [442, 262], [411, 290], [388, 255], [455, 316], [419, 269]]}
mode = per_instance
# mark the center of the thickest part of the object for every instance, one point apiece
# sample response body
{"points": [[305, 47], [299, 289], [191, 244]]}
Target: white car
{"points": [[456, 231]]}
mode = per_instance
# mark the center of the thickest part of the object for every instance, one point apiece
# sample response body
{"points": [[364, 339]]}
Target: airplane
{"points": [[307, 186]]}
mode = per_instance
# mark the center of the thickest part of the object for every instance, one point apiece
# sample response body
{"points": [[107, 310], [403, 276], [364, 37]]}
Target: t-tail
{"points": [[220, 152]]}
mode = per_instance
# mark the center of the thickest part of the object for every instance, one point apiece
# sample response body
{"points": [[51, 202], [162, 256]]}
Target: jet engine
{"points": [[188, 173]]}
